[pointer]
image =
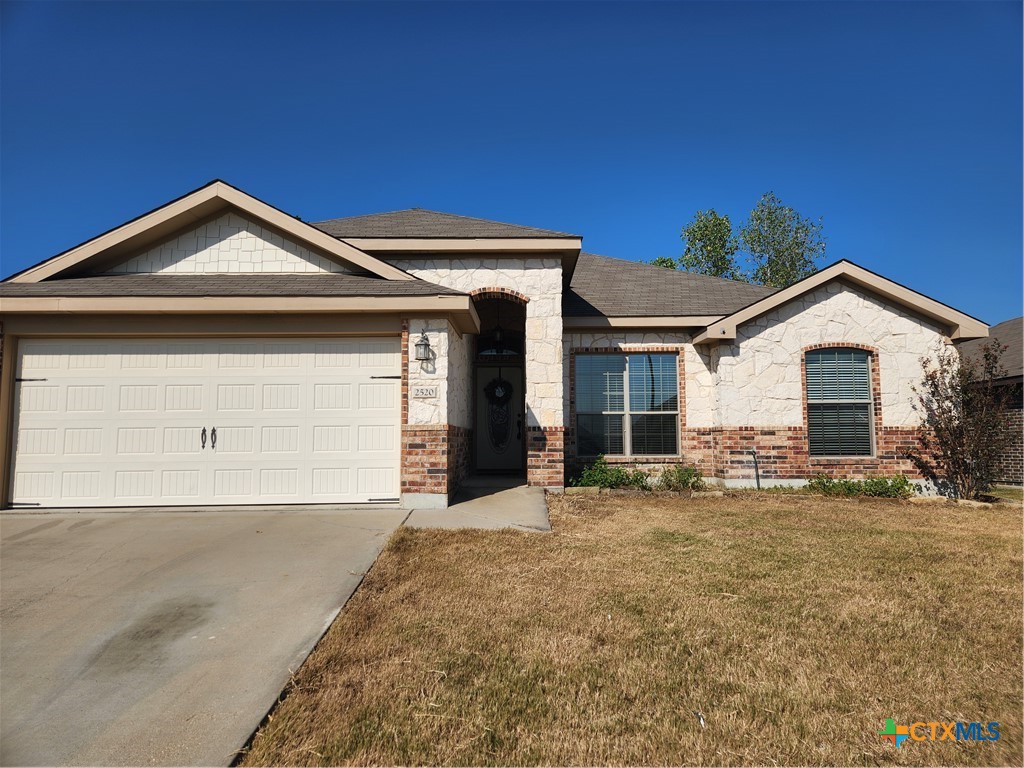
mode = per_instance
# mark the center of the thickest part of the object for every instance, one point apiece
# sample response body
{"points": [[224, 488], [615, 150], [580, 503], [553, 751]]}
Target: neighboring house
{"points": [[1011, 335], [219, 351]]}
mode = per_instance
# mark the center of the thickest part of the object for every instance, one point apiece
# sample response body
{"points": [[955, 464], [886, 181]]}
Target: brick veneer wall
{"points": [[1010, 464], [782, 452], [425, 458], [435, 458], [459, 441], [545, 456]]}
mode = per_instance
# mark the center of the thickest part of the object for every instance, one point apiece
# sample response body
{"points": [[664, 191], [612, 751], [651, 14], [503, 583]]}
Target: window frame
{"points": [[626, 414], [870, 402]]}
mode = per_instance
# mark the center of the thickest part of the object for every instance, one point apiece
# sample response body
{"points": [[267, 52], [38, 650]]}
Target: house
{"points": [[1009, 334], [219, 351]]}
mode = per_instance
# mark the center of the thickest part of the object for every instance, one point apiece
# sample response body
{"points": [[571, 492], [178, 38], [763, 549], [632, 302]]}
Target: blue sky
{"points": [[898, 122]]}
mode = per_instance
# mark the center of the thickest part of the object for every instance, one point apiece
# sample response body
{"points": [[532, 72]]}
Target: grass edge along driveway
{"points": [[752, 629]]}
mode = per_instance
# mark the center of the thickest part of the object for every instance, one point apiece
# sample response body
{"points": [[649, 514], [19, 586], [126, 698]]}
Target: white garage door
{"points": [[114, 422]]}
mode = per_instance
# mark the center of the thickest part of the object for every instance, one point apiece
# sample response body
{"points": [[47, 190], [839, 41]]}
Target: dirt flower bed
{"points": [[757, 629]]}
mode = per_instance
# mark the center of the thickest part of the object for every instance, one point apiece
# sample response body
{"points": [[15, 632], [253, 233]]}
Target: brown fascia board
{"points": [[651, 321], [412, 246], [565, 248], [192, 209], [958, 324], [458, 307]]}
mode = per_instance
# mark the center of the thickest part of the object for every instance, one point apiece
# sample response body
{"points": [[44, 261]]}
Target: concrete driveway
{"points": [[164, 637]]}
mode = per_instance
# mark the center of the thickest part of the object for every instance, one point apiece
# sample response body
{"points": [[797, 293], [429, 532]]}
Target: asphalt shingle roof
{"points": [[242, 284], [421, 223], [617, 288], [1011, 334]]}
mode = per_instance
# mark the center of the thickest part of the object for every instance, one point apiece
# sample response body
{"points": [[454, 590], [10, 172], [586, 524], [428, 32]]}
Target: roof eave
{"points": [[646, 321], [458, 307], [413, 245]]}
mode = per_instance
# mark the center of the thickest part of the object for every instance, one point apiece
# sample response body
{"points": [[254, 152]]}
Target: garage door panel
{"points": [[378, 396], [121, 421], [136, 441], [332, 438], [135, 485]]}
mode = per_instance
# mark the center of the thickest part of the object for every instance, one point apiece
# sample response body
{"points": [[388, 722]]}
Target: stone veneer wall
{"points": [[448, 370], [539, 280], [749, 394], [229, 244]]}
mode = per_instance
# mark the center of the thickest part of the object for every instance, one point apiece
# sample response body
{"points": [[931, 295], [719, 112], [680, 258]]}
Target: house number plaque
{"points": [[424, 392]]}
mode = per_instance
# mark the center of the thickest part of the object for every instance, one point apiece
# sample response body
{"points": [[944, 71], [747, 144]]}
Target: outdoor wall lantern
{"points": [[423, 349]]}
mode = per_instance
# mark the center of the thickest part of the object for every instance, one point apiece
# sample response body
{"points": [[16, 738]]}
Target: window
{"points": [[839, 402], [627, 405]]}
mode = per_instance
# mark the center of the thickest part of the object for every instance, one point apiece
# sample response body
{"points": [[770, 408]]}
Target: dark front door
{"points": [[499, 419]]}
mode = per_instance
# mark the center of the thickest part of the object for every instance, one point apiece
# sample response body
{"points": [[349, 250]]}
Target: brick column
{"points": [[545, 457]]}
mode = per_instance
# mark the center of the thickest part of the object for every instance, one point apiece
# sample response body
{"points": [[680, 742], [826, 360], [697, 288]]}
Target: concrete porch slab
{"points": [[495, 506]]}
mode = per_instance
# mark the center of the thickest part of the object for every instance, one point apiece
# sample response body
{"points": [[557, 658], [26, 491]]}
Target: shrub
{"points": [[603, 475], [895, 487], [681, 478], [964, 415]]}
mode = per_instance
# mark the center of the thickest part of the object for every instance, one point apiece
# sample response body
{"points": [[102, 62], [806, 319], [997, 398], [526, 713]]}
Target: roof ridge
{"points": [[445, 214], [366, 215], [684, 271], [486, 221]]}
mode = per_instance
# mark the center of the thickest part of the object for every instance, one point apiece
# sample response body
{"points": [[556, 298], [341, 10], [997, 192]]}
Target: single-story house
{"points": [[1009, 334], [217, 350]]}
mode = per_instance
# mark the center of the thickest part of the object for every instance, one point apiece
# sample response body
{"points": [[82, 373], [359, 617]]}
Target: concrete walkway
{"points": [[489, 503], [162, 638]]}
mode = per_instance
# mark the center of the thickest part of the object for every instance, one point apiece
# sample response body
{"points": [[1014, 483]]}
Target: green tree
{"points": [[665, 261], [782, 244], [710, 246]]}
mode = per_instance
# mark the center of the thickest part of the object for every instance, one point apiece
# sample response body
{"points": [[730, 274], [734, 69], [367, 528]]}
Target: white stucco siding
{"points": [[540, 279], [759, 378], [229, 244]]}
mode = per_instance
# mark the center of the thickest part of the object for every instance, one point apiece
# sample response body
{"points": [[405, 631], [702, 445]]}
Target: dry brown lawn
{"points": [[745, 630]]}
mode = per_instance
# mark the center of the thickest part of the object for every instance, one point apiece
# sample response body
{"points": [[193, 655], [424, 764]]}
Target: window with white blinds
{"points": [[627, 405], [839, 402]]}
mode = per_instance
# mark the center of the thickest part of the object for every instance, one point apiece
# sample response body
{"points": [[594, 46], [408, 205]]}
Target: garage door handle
{"points": [[386, 377], [213, 439], [202, 438]]}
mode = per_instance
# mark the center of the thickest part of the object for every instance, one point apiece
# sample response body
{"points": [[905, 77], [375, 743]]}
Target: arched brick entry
{"points": [[500, 293]]}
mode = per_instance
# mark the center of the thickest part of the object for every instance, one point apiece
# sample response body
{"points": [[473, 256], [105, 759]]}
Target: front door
{"points": [[499, 419]]}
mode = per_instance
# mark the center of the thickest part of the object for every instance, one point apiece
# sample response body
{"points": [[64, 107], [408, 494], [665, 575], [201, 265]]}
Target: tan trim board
{"points": [[460, 307], [194, 208], [474, 245], [201, 326], [959, 325], [9, 350], [680, 321]]}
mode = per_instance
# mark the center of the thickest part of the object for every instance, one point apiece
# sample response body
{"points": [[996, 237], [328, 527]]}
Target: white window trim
{"points": [[627, 427]]}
